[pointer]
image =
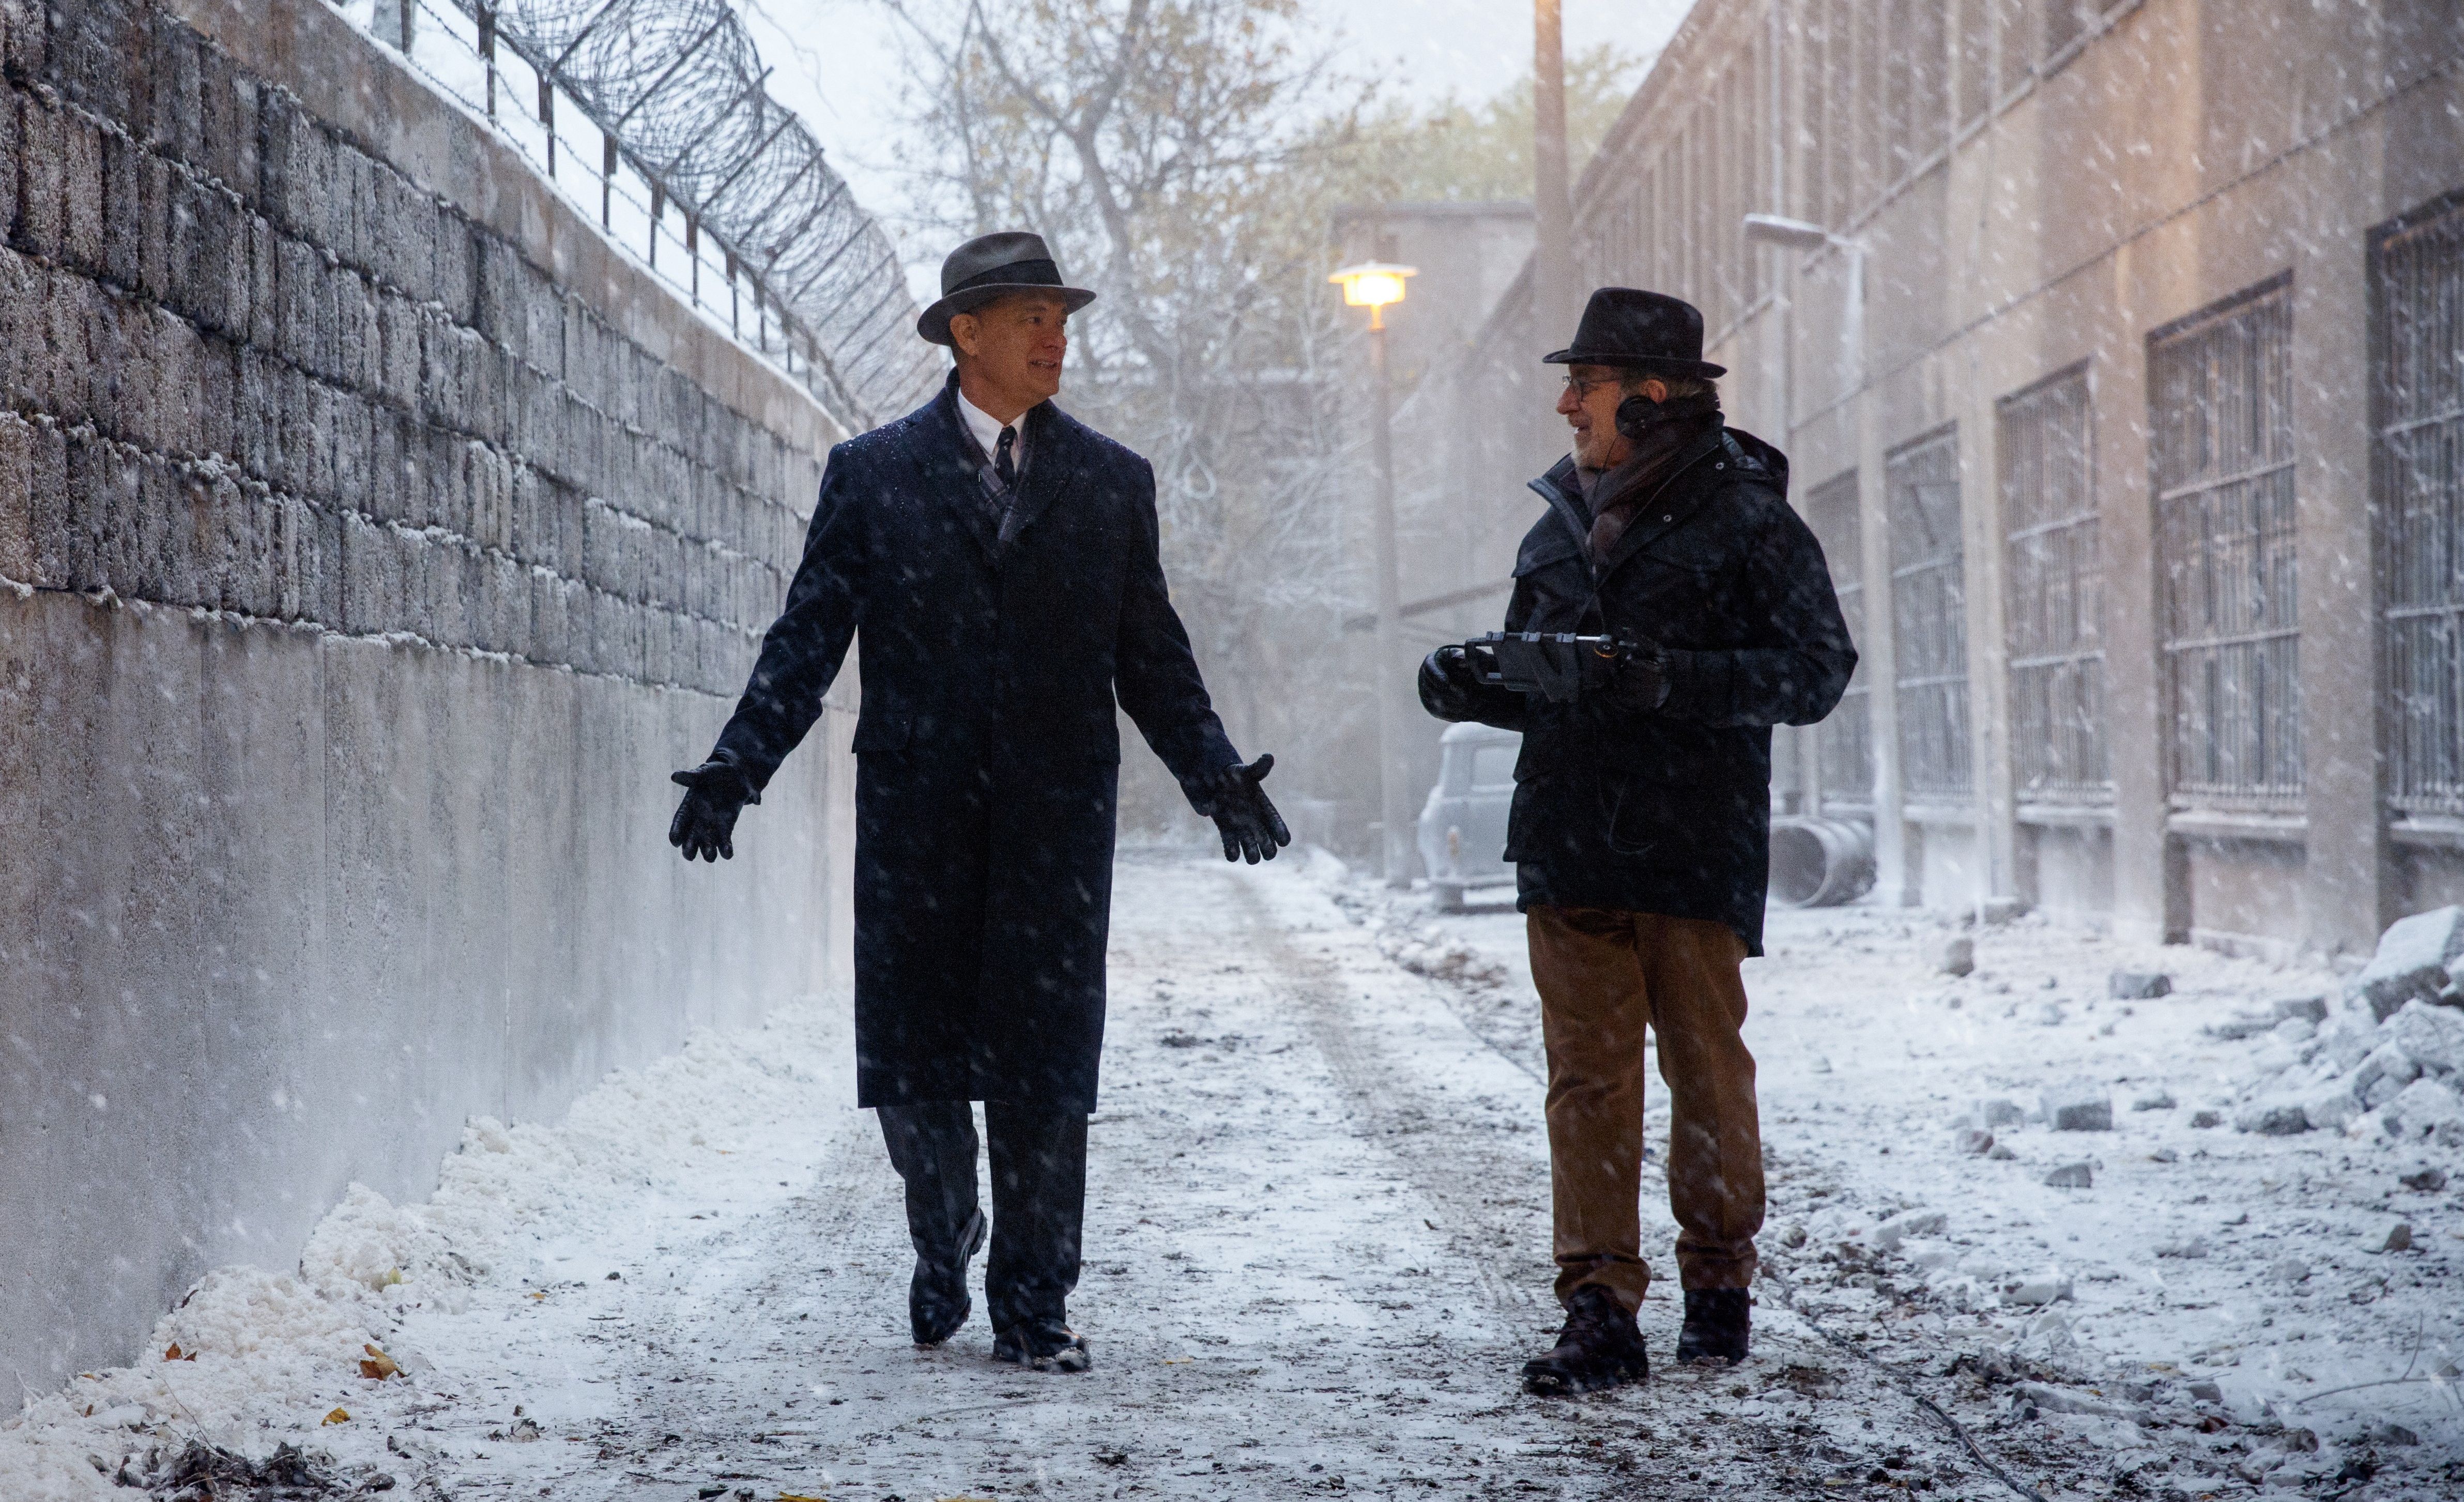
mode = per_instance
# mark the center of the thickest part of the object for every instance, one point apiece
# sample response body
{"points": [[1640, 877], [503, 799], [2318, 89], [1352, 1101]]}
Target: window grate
{"points": [[1843, 741], [1929, 611], [2420, 276], [2221, 394], [2057, 595]]}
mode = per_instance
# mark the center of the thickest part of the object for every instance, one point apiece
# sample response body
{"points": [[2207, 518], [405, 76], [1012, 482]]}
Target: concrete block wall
{"points": [[378, 539]]}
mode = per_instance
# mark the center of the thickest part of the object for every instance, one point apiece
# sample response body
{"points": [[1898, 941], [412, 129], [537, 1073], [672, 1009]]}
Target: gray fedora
{"points": [[993, 266]]}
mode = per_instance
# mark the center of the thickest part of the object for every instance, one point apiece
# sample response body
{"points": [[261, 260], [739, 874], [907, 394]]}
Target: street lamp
{"points": [[1374, 285]]}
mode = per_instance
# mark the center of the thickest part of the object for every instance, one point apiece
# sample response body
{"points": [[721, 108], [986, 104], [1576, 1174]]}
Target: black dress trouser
{"points": [[1039, 1161]]}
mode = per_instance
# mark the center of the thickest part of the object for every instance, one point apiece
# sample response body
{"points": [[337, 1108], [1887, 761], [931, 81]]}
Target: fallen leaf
{"points": [[337, 1416], [798, 1496], [175, 1353], [378, 1364]]}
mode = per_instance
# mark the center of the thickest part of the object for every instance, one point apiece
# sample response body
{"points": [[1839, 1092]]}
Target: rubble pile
{"points": [[2384, 1061]]}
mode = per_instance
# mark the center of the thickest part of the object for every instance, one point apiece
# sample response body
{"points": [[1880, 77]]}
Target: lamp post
{"points": [[1374, 285]]}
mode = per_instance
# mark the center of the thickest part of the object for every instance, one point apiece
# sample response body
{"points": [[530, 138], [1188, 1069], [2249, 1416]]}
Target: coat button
{"points": [[1668, 518]]}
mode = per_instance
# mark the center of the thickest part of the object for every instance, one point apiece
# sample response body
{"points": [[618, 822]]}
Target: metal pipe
{"points": [[1391, 800]]}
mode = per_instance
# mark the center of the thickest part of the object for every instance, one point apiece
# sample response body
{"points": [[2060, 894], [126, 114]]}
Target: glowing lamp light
{"points": [[1372, 285]]}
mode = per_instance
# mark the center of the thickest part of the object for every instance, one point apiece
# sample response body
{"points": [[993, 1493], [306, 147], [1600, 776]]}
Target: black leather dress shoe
{"points": [[937, 1297], [1042, 1346], [1719, 1325]]}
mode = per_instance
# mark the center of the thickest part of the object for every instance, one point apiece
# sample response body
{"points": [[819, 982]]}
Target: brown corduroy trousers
{"points": [[1602, 976]]}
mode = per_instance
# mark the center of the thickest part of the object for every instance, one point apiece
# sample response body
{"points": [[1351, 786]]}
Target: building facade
{"points": [[2126, 396]]}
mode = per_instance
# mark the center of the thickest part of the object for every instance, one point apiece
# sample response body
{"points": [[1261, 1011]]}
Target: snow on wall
{"points": [[379, 540]]}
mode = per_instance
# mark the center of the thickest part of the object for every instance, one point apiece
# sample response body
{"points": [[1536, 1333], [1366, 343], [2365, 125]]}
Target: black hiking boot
{"points": [[1042, 1345], [1718, 1320], [937, 1297], [1599, 1348]]}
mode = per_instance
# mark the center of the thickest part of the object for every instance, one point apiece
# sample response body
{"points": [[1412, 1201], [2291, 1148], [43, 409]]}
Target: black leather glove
{"points": [[1641, 682], [1447, 687], [1243, 813], [715, 792]]}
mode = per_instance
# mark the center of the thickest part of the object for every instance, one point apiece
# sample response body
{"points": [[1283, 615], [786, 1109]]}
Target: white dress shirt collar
{"points": [[986, 431]]}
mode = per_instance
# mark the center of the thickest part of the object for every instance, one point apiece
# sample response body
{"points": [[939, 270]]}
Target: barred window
{"points": [[2420, 286], [1929, 610], [2056, 593], [2221, 394], [1844, 741]]}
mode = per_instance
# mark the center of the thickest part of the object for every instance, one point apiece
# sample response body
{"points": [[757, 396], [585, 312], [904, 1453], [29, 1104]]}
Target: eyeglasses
{"points": [[1581, 386]]}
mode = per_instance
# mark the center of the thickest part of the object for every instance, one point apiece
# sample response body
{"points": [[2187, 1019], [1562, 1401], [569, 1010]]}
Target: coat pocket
{"points": [[879, 731]]}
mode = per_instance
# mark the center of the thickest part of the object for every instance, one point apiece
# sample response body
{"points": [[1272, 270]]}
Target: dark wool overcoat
{"points": [[994, 641], [1669, 812]]}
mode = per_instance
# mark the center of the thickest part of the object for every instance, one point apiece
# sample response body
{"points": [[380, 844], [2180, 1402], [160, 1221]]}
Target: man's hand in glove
{"points": [[1448, 686], [1243, 813], [1641, 679], [705, 822]]}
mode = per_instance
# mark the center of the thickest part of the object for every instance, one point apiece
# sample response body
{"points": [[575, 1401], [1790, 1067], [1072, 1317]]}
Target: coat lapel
{"points": [[1052, 461], [946, 457], [1565, 499]]}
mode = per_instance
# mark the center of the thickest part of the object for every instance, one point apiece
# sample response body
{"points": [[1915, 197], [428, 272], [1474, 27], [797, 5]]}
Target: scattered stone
{"points": [[2391, 1433], [2187, 1246], [2329, 1105], [2273, 1118], [2412, 959], [2206, 1118], [2399, 1237], [2137, 986], [2164, 1155], [2204, 1391], [1794, 1236], [2233, 1030], [2062, 1400], [2296, 1029], [1821, 1064], [2080, 1105], [2313, 1008], [2433, 1035], [2000, 1153], [2050, 1014], [1997, 1110], [1974, 1141], [2428, 1180], [2045, 1288], [2386, 1062], [1888, 1235], [2154, 1100], [2348, 1037], [2424, 1107], [2071, 1176], [2289, 1270], [1958, 956]]}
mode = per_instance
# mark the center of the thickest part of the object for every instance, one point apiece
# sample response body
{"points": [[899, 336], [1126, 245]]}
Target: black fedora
{"points": [[993, 266], [1628, 327]]}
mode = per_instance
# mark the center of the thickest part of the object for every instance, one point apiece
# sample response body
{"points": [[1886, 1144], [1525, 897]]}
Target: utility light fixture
{"points": [[1795, 233], [1372, 285]]}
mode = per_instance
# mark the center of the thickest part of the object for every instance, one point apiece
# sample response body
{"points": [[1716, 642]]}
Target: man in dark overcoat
{"points": [[1642, 816], [998, 561]]}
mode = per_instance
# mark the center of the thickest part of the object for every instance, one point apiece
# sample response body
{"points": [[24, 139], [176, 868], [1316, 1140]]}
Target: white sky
{"points": [[836, 62]]}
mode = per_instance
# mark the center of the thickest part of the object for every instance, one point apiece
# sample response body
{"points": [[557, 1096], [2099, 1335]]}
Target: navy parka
{"points": [[1669, 812]]}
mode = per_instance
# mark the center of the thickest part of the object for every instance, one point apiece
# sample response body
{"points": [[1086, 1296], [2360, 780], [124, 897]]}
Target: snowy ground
{"points": [[1317, 1253]]}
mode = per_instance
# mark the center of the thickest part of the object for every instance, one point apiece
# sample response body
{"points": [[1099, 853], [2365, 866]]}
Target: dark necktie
{"points": [[1004, 464]]}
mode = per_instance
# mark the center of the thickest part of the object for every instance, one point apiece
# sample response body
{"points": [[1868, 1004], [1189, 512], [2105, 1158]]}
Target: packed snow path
{"points": [[1317, 1254]]}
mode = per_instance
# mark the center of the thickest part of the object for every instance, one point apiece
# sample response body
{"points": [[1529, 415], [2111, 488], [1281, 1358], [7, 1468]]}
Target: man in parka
{"points": [[998, 559], [1641, 815]]}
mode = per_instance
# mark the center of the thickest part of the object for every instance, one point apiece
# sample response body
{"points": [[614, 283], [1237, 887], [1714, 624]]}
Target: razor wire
{"points": [[678, 95]]}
